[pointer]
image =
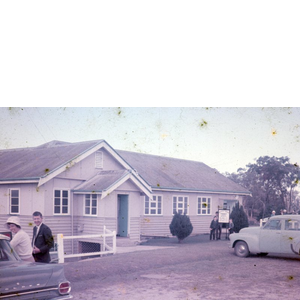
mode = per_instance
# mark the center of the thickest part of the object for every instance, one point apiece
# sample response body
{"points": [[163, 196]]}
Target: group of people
{"points": [[282, 212], [216, 228], [37, 249]]}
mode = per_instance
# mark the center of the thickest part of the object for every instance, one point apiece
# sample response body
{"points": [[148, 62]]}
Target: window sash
{"points": [[90, 204], [61, 202], [204, 206], [180, 205], [153, 206], [14, 201]]}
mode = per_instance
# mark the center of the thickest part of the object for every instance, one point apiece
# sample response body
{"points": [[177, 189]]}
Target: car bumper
{"points": [[65, 297]]}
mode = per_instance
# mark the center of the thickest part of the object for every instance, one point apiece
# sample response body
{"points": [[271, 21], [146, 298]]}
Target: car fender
{"points": [[250, 236], [295, 246]]}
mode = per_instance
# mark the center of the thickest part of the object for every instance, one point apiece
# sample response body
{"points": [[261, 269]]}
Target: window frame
{"points": [[158, 198], [10, 205], [179, 208], [61, 202], [200, 202], [90, 206]]}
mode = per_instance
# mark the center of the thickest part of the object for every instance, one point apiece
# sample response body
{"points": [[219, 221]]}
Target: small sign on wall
{"points": [[223, 215]]}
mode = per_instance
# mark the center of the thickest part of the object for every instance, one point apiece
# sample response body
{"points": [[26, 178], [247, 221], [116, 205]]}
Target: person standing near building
{"points": [[219, 227], [213, 228], [21, 240], [42, 240]]}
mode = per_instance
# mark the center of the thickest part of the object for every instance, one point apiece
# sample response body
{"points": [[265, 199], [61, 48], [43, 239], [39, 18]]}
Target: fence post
{"points": [[114, 242], [60, 248], [104, 238]]}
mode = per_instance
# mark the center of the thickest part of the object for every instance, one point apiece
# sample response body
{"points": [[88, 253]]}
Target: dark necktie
{"points": [[34, 235]]}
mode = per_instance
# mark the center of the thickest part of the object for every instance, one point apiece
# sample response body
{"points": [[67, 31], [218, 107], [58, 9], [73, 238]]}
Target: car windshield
{"points": [[273, 224], [6, 252]]}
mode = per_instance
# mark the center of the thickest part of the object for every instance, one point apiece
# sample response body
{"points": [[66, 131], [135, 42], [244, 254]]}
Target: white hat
{"points": [[14, 220]]}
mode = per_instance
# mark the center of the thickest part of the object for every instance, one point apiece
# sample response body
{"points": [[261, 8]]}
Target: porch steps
{"points": [[126, 242]]}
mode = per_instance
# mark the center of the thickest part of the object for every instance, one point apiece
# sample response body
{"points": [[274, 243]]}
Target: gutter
{"points": [[20, 180], [201, 191]]}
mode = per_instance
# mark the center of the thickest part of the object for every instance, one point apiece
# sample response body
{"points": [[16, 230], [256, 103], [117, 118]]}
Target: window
{"points": [[90, 205], [153, 206], [99, 160], [291, 225], [273, 225], [14, 201], [61, 202], [204, 206], [180, 205]]}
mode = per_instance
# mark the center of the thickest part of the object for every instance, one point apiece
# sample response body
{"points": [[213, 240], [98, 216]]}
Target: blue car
{"points": [[27, 280]]}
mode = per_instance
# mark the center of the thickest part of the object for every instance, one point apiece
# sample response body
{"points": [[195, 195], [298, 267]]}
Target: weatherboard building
{"points": [[80, 187]]}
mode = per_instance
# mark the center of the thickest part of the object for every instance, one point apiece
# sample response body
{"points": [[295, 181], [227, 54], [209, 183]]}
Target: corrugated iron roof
{"points": [[158, 171], [36, 162], [102, 181], [172, 173]]}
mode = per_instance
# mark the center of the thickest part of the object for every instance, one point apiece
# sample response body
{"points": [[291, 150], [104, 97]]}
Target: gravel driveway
{"points": [[195, 269]]}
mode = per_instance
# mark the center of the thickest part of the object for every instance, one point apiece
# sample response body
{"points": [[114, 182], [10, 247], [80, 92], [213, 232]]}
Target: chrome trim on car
{"points": [[18, 294]]}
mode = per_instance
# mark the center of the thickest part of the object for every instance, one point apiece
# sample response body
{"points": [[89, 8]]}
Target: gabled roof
{"points": [[106, 181], [37, 162], [101, 181], [165, 173], [40, 164]]}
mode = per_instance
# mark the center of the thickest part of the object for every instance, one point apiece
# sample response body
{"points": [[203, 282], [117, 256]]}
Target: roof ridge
{"points": [[169, 157]]}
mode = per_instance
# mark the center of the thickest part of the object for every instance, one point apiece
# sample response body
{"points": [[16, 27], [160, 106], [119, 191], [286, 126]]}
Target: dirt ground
{"points": [[195, 269]]}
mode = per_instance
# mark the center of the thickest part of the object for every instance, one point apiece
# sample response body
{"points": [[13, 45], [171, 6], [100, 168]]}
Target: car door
{"points": [[290, 233], [270, 237]]}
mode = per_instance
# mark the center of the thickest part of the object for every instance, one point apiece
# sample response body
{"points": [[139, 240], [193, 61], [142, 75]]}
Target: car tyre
{"points": [[241, 249]]}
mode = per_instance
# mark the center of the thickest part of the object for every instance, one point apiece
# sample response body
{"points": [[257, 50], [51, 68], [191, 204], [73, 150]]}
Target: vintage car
{"points": [[280, 234], [27, 280]]}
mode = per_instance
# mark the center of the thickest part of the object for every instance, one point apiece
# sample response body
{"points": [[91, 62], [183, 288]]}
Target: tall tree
{"points": [[271, 181]]}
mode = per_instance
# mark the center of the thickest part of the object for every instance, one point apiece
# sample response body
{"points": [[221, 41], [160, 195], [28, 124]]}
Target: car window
{"points": [[6, 252], [273, 225], [292, 225]]}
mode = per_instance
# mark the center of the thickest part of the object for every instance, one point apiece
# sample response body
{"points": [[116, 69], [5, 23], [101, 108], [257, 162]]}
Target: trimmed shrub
{"points": [[181, 226]]}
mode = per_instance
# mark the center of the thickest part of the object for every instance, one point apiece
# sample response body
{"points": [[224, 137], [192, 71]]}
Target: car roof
{"points": [[287, 216], [4, 237]]}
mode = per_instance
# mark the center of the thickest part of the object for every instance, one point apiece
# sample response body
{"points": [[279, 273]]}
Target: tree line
{"points": [[273, 183]]}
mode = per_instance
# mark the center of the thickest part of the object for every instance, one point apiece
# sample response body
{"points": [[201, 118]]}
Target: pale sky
{"points": [[223, 138]]}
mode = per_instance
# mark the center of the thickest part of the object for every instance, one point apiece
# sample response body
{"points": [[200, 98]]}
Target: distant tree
{"points": [[239, 217], [181, 226], [272, 182]]}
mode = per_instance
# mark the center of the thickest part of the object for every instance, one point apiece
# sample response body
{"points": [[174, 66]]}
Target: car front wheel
{"points": [[241, 249]]}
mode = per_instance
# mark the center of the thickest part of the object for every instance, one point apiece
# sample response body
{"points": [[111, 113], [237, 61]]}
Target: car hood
{"points": [[250, 230], [20, 276]]}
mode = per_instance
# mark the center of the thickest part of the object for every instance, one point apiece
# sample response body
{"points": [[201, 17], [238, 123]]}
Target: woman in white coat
{"points": [[21, 240]]}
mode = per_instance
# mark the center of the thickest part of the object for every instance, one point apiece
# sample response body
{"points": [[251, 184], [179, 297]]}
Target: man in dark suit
{"points": [[42, 240]]}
